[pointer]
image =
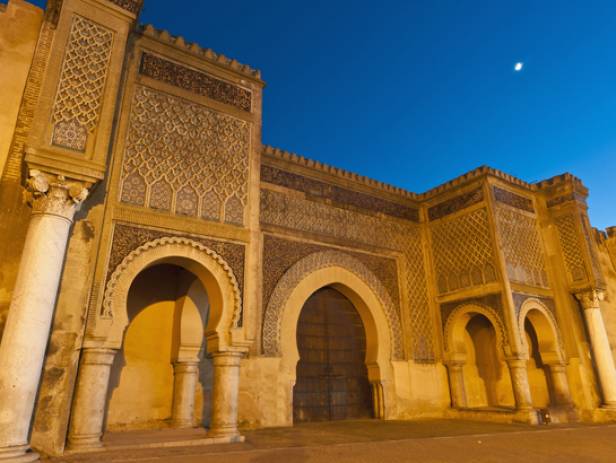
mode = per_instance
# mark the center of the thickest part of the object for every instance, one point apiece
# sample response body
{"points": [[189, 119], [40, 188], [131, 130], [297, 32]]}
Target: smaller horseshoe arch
{"points": [[476, 350], [542, 342], [212, 271]]}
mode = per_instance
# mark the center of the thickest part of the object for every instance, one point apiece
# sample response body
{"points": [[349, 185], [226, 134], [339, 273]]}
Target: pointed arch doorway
{"points": [[332, 378]]}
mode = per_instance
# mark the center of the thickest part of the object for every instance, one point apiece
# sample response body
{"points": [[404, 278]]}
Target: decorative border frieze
{"points": [[571, 196], [456, 204], [195, 81], [341, 196], [512, 199], [132, 6]]}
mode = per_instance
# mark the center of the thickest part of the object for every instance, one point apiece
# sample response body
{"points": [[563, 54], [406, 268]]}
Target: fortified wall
{"points": [[161, 267]]}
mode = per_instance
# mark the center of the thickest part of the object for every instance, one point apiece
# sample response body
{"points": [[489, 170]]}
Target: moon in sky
{"points": [[518, 66]]}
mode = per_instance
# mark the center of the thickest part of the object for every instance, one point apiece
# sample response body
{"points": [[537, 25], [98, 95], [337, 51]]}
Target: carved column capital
{"points": [[54, 194], [591, 298]]}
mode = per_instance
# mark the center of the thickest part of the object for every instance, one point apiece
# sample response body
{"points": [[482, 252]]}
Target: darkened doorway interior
{"points": [[332, 378]]}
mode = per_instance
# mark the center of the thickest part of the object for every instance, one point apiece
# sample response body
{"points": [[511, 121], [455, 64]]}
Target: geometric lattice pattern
{"points": [[571, 247], [422, 328], [82, 81], [522, 247], [356, 228], [183, 158], [462, 250]]}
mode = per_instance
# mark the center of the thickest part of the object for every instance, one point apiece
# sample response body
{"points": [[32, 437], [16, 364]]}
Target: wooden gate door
{"points": [[332, 379]]}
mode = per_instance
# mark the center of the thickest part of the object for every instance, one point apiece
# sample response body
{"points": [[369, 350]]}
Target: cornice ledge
{"points": [[208, 54], [277, 153]]}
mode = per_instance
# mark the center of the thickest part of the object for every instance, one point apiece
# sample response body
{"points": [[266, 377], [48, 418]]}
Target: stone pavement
{"points": [[429, 441]]}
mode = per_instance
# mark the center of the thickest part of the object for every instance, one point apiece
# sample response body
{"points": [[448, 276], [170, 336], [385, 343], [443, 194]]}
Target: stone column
{"points": [[456, 383], [185, 376], [225, 393], [560, 384], [518, 368], [26, 333], [86, 428], [590, 301], [378, 400]]}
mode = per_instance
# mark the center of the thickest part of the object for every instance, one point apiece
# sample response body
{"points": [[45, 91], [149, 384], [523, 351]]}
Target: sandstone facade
{"points": [[156, 260]]}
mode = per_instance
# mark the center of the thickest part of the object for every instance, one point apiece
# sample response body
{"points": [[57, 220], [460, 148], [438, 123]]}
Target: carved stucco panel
{"points": [[522, 247], [463, 251], [185, 158], [358, 229], [78, 99]]}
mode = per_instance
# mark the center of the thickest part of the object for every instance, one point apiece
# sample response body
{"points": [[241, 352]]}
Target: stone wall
{"points": [[20, 24]]}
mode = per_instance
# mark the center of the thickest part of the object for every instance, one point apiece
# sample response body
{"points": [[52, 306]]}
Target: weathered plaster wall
{"points": [[20, 23]]}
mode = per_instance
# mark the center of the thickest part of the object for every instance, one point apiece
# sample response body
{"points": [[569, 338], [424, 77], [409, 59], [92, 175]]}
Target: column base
{"points": [[608, 406], [80, 443], [563, 413], [231, 433], [184, 424], [527, 415], [18, 454]]}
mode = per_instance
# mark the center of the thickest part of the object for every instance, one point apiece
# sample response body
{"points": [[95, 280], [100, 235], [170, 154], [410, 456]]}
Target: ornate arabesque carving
{"points": [[340, 196], [107, 311], [357, 229], [78, 100], [463, 252], [571, 247], [127, 238], [195, 81], [273, 312], [280, 254], [456, 204], [521, 245], [185, 158]]}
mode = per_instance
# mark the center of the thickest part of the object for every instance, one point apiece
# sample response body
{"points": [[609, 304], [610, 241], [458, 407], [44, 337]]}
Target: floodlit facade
{"points": [[160, 267]]}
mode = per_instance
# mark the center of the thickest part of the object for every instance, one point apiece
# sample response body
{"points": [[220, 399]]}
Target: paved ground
{"points": [[388, 442]]}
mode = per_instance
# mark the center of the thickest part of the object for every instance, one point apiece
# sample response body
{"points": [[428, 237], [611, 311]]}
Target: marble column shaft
{"points": [[560, 384], [26, 332], [518, 368], [225, 393], [185, 377], [456, 383], [602, 353], [86, 427]]}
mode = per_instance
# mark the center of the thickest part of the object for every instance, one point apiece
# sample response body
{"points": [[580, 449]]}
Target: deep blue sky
{"points": [[414, 93]]}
